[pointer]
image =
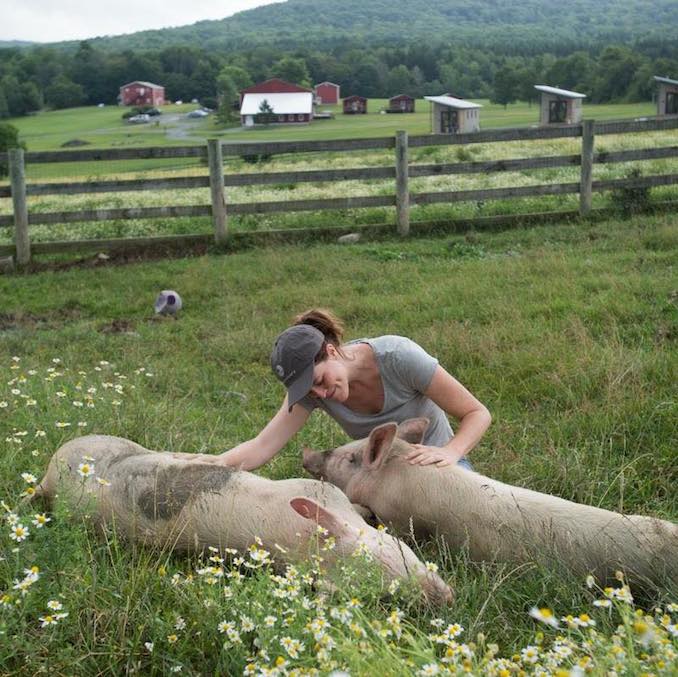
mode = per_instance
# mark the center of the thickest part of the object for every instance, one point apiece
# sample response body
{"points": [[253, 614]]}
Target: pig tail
{"points": [[327, 323]]}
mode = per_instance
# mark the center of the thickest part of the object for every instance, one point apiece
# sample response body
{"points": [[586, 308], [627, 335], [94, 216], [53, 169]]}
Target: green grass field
{"points": [[567, 333], [104, 127]]}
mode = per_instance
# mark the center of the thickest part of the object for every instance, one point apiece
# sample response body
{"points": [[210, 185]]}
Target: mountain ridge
{"points": [[328, 23]]}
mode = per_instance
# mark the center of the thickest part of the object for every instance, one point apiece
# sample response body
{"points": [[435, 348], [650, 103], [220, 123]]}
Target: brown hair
{"points": [[326, 322]]}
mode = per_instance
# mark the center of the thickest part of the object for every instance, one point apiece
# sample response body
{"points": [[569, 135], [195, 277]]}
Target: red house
{"points": [[355, 104], [272, 86], [139, 93], [327, 93], [401, 104]]}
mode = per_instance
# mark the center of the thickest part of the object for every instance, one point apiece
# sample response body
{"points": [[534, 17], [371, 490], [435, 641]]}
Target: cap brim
{"points": [[300, 387]]}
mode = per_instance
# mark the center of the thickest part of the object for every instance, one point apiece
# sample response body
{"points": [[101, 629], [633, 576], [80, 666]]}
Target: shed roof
{"points": [[666, 81], [327, 82], [565, 93], [142, 82], [281, 103], [452, 102]]}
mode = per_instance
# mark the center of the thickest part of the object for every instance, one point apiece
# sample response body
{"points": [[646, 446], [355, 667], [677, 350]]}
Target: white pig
{"points": [[496, 521], [189, 502]]}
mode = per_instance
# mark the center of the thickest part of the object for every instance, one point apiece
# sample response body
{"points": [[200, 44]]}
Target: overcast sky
{"points": [[55, 20]]}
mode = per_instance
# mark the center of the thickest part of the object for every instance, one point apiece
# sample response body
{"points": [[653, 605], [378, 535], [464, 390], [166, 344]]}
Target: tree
{"points": [[4, 108], [505, 86], [293, 70], [399, 81], [227, 93], [239, 77], [266, 114], [64, 93]]}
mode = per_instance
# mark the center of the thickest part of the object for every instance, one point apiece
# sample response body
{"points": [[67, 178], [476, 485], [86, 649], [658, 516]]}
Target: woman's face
{"points": [[330, 377]]}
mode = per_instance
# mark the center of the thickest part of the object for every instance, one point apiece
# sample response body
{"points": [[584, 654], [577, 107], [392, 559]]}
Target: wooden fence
{"points": [[401, 171]]}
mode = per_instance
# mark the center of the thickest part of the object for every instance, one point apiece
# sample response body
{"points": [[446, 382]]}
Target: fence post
{"points": [[17, 177], [586, 179], [216, 165], [402, 187]]}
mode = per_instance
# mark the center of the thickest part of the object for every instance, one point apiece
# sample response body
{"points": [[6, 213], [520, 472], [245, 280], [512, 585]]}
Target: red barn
{"points": [[139, 93], [272, 86], [327, 92], [355, 104]]}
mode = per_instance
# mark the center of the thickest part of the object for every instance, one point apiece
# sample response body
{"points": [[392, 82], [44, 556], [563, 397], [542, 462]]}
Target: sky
{"points": [[56, 20]]}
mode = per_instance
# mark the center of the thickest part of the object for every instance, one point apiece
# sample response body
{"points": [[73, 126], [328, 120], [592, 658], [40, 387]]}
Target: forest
{"points": [[31, 79]]}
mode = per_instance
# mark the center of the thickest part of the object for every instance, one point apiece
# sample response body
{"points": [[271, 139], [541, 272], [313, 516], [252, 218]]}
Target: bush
{"points": [[9, 138]]}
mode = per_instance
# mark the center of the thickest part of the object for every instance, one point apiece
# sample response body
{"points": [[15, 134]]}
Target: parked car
{"points": [[198, 113], [139, 119], [152, 112]]}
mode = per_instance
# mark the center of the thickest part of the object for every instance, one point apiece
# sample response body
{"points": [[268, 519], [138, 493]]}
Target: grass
{"points": [[567, 333], [347, 218]]}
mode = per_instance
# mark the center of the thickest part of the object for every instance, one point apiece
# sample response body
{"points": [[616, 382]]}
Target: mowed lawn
{"points": [[567, 333], [105, 128]]}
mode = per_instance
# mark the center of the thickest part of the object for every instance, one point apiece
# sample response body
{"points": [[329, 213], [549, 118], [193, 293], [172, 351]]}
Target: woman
{"points": [[362, 384]]}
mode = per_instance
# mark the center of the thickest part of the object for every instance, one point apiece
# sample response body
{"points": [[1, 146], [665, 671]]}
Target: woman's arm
{"points": [[261, 449], [474, 419]]}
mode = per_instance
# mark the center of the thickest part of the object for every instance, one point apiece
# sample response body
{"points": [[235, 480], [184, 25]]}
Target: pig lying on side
{"points": [[496, 521], [170, 500]]}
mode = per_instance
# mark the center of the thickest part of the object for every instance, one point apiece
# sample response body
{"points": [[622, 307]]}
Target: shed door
{"points": [[557, 111], [671, 103], [449, 121]]}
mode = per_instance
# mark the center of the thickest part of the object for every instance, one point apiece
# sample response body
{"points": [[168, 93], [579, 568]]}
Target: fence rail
{"points": [[402, 171]]}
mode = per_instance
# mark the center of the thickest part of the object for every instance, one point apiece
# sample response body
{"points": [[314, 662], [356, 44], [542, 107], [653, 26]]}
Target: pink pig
{"points": [[496, 521], [189, 502]]}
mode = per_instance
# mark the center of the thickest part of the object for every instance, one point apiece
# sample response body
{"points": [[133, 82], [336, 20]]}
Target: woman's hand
{"points": [[425, 455]]}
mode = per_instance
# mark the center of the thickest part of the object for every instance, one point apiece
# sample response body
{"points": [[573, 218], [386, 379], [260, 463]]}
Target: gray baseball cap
{"points": [[293, 359]]}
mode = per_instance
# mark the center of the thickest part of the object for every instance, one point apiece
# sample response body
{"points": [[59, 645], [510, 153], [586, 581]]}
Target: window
{"points": [[557, 111]]}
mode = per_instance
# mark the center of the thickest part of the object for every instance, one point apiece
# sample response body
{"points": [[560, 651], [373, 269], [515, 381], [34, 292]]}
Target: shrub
{"points": [[9, 138]]}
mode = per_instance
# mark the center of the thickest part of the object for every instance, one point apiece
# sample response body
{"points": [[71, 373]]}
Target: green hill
{"points": [[537, 23]]}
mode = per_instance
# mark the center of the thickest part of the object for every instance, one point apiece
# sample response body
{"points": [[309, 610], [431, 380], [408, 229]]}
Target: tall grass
{"points": [[567, 333]]}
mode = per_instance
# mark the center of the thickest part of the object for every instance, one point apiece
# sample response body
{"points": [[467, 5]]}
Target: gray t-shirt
{"points": [[406, 370]]}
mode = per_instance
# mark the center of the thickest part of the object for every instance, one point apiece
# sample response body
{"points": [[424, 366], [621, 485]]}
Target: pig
{"points": [[190, 502], [495, 521]]}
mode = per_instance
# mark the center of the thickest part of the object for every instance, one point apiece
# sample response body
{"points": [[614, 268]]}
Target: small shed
{"points": [[327, 93], [667, 97], [450, 115], [140, 93], [401, 104], [559, 106], [355, 104]]}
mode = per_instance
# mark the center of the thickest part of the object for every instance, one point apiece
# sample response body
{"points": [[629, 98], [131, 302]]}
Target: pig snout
{"points": [[313, 462]]}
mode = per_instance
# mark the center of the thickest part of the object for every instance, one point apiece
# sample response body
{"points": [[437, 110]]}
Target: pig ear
{"points": [[311, 510], [379, 445], [413, 430]]}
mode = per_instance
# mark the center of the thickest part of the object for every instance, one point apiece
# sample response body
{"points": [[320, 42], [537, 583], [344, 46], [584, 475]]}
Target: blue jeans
{"points": [[465, 463]]}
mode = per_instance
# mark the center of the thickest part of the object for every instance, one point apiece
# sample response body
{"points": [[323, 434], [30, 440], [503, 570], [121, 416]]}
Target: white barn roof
{"points": [[143, 83], [560, 92], [452, 102], [281, 103], [666, 81]]}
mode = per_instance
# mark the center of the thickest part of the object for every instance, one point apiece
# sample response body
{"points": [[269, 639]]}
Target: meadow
{"points": [[566, 332], [374, 124]]}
